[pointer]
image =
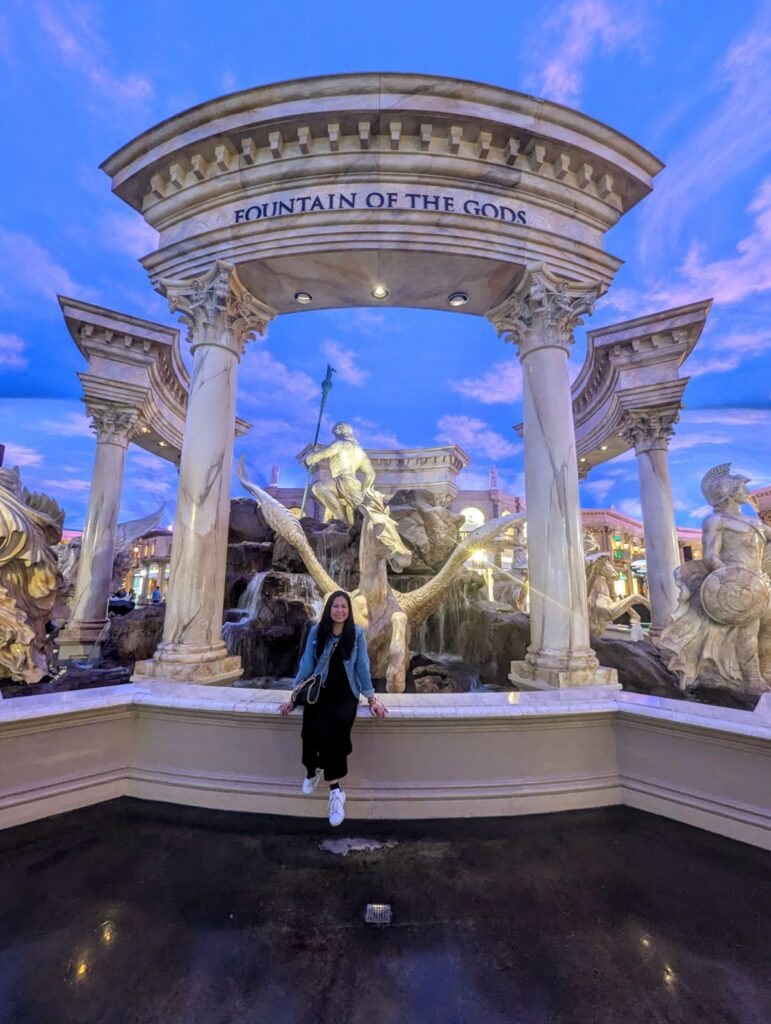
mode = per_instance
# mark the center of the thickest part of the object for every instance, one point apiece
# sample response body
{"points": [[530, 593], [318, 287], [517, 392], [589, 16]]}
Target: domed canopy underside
{"points": [[426, 185]]}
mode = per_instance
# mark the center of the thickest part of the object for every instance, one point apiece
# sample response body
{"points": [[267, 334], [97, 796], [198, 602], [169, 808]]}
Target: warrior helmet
{"points": [[720, 484]]}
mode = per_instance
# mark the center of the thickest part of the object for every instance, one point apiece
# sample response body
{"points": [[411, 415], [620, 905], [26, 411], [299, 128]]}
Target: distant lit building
{"points": [[150, 565]]}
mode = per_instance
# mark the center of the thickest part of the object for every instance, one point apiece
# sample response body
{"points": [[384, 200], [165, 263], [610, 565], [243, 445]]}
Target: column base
{"points": [[533, 677], [80, 639], [190, 663]]}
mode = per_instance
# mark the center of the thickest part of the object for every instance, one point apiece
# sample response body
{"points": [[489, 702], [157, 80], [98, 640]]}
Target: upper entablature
{"points": [[366, 125]]}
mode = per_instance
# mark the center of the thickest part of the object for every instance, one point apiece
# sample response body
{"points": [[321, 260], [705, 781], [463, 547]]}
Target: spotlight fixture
{"points": [[582, 459], [303, 298], [458, 299], [162, 444], [380, 292], [603, 447]]}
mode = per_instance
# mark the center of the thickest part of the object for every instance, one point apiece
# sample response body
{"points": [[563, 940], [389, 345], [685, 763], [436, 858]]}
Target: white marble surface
{"points": [[435, 756], [220, 316], [88, 613], [539, 318], [662, 554]]}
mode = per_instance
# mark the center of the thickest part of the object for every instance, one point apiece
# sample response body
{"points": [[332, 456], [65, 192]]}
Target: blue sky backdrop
{"points": [[689, 81]]}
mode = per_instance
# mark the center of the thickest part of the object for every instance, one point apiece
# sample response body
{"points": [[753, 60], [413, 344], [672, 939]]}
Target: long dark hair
{"points": [[347, 637]]}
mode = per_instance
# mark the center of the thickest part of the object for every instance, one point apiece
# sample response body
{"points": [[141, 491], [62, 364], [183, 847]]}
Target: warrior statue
{"points": [[720, 631], [30, 582], [344, 493]]}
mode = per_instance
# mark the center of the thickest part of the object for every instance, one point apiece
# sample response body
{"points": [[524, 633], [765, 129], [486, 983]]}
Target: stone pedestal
{"points": [[649, 432], [539, 318], [221, 316], [114, 428]]}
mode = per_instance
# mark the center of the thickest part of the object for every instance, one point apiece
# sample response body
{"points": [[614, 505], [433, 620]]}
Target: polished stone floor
{"points": [[138, 912]]}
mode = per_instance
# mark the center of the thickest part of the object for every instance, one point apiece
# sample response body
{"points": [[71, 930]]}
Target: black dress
{"points": [[327, 724]]}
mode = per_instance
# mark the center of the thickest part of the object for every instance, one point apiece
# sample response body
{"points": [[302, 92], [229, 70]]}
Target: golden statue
{"points": [[30, 581], [344, 493]]}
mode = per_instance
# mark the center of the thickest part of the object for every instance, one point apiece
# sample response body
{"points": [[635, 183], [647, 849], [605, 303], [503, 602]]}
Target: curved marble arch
{"points": [[426, 186], [135, 389]]}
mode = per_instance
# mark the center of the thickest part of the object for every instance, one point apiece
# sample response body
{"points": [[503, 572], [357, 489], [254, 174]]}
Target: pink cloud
{"points": [[582, 28], [736, 138], [21, 455], [70, 27], [502, 384], [476, 436]]}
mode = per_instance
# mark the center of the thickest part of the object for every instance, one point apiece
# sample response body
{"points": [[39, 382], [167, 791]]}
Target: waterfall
{"points": [[249, 601], [267, 628]]}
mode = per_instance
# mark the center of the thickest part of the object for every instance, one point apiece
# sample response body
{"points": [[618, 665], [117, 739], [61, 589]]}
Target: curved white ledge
{"points": [[453, 755]]}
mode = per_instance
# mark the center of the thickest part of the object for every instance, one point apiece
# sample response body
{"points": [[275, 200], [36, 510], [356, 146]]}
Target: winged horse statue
{"points": [[387, 615]]}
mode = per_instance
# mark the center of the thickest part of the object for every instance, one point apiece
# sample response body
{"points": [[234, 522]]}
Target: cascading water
{"points": [[267, 627]]}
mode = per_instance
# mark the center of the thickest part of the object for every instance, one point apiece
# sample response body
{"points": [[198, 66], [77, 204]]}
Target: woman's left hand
{"points": [[377, 709]]}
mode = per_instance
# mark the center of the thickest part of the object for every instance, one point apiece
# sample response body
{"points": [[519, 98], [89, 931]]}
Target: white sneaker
{"points": [[336, 807], [311, 785]]}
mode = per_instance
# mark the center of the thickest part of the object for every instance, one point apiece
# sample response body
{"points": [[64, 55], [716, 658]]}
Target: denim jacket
{"points": [[356, 667]]}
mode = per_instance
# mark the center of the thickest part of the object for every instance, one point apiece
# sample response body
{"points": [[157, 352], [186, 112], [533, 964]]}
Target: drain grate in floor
{"points": [[378, 913]]}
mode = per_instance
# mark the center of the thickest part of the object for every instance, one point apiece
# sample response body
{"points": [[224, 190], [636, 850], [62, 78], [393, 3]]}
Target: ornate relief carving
{"points": [[646, 429], [543, 311], [113, 424], [217, 309]]}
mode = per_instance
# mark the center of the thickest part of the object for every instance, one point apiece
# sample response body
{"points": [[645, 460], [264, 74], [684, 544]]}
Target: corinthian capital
{"points": [[543, 311], [646, 429], [113, 424], [217, 309]]}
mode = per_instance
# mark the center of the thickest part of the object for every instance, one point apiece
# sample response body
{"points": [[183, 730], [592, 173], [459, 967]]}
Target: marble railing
{"points": [[435, 756]]}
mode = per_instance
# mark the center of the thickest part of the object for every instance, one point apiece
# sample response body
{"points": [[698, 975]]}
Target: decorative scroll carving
{"points": [[646, 429], [543, 311], [113, 424], [217, 309]]}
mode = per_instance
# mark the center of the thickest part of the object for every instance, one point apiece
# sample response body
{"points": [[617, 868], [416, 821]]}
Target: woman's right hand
{"points": [[284, 709]]}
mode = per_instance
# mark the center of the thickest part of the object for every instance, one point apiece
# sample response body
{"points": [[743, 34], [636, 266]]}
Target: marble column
{"points": [[539, 318], [648, 431], [221, 316], [114, 428]]}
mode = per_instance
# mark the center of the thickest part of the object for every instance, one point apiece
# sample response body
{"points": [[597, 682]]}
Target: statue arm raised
{"points": [[420, 603], [284, 523]]}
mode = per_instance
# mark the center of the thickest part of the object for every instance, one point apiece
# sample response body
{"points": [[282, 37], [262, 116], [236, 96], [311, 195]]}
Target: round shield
{"points": [[734, 596]]}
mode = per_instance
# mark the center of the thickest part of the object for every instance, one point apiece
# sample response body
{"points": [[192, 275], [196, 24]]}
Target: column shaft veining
{"points": [[539, 318], [221, 315], [114, 428], [649, 432]]}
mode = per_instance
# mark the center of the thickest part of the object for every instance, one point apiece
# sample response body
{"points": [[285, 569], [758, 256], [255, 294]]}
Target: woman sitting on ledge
{"points": [[336, 650]]}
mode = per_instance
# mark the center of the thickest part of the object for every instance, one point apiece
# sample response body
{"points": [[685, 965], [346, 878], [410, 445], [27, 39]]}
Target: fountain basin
{"points": [[437, 755]]}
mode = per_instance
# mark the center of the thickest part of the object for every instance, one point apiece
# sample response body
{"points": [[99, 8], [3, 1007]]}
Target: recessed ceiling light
{"points": [[162, 444], [303, 297], [603, 447], [582, 459], [380, 292], [458, 299]]}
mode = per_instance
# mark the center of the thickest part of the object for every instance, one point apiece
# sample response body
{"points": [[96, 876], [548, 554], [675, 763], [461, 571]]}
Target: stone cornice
{"points": [[632, 366], [276, 125], [478, 179], [137, 363]]}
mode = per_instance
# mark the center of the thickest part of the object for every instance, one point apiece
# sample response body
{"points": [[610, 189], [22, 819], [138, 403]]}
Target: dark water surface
{"points": [[145, 912]]}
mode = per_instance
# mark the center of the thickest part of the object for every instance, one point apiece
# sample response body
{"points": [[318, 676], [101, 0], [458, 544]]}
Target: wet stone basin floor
{"points": [[144, 912]]}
